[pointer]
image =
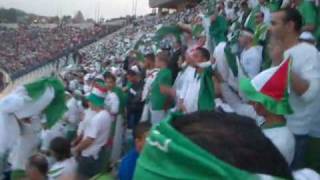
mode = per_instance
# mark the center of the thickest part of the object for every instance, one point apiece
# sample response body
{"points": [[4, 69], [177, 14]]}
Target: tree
{"points": [[78, 18]]}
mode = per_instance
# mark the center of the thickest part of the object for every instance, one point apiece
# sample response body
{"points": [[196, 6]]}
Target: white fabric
{"points": [[145, 116], [267, 14], [191, 96], [74, 112], [157, 117], [88, 115], [223, 67], [305, 63], [306, 174], [150, 77], [58, 130], [26, 144], [283, 139], [62, 169], [117, 139], [262, 78], [251, 60], [112, 103], [98, 128]]}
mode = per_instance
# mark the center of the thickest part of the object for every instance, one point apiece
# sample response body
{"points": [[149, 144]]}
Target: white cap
{"points": [[307, 36]]}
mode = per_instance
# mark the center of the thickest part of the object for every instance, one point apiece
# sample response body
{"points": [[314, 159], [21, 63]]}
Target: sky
{"points": [[90, 8]]}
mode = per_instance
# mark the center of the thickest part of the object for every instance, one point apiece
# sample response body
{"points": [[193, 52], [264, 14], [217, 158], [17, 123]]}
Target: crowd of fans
{"points": [[27, 47], [224, 90]]}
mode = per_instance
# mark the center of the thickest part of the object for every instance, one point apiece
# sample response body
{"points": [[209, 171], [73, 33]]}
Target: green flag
{"points": [[206, 93], [168, 154], [55, 110]]}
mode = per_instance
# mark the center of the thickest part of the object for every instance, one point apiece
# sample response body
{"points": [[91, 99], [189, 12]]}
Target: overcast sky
{"points": [[89, 8]]}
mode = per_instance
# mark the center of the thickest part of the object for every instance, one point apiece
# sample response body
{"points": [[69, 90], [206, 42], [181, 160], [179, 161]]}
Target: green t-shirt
{"points": [[274, 5], [157, 99], [219, 29], [121, 97], [308, 12]]}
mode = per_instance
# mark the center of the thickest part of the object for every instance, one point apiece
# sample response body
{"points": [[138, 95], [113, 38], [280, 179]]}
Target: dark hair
{"points": [[61, 148], [110, 76], [204, 52], [261, 13], [236, 140], [163, 56], [141, 129], [131, 73], [150, 57], [39, 162], [291, 14]]}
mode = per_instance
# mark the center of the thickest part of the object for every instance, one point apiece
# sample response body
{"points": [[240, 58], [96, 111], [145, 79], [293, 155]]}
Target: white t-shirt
{"points": [[191, 96], [112, 103], [88, 114], [64, 168], [306, 63], [283, 139], [251, 60], [97, 128], [74, 111], [150, 77]]}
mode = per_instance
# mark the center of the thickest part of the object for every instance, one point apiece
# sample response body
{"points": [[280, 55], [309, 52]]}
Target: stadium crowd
{"points": [[224, 90], [27, 47]]}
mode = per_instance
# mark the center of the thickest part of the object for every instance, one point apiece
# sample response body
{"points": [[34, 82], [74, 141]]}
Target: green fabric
{"points": [[157, 99], [277, 107], [103, 176], [251, 19], [168, 154], [317, 33], [18, 175], [218, 29], [96, 100], [260, 34], [312, 154], [231, 60], [168, 30], [308, 12], [118, 91], [274, 5], [57, 107], [197, 30], [206, 92], [126, 94]]}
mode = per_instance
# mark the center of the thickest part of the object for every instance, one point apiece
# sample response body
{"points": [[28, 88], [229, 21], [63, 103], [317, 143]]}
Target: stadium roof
{"points": [[167, 3]]}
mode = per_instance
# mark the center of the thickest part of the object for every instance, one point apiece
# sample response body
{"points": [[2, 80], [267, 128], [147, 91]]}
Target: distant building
{"points": [[172, 4]]}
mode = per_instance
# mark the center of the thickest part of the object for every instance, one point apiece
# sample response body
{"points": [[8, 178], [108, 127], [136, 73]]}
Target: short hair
{"points": [[291, 14], [163, 56], [141, 129], [132, 73], [150, 56], [261, 13], [234, 139], [61, 147], [204, 52], [110, 76], [39, 162]]}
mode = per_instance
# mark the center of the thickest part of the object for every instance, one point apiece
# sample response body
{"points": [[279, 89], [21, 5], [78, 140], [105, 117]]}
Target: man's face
{"points": [[141, 141], [278, 27], [259, 18], [110, 83], [242, 41], [197, 57]]}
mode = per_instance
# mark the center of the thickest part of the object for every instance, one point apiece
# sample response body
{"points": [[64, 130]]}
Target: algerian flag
{"points": [[168, 154], [270, 88], [197, 30], [164, 31], [56, 107], [250, 22], [231, 59], [260, 35]]}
